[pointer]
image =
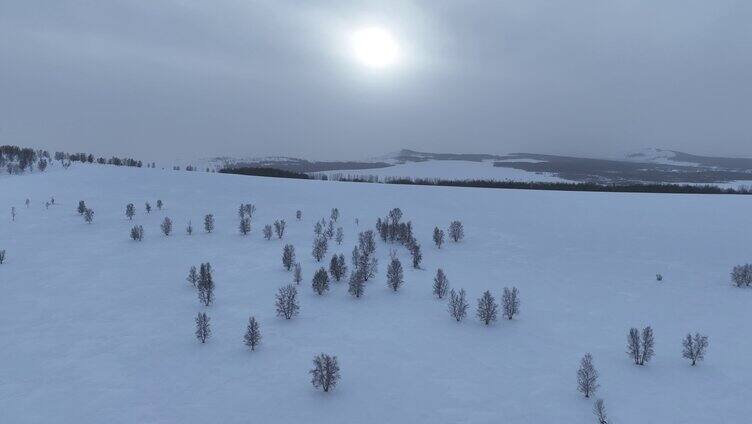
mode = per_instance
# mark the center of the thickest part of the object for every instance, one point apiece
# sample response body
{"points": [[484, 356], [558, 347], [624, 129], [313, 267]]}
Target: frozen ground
{"points": [[451, 170], [98, 328]]}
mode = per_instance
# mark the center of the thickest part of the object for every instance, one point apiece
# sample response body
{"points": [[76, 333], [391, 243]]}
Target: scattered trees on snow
{"points": [[510, 302], [287, 301], [587, 376], [640, 347], [394, 274], [334, 216], [741, 275], [279, 228], [130, 210], [456, 231], [458, 305], [81, 207], [440, 284], [192, 276], [297, 274], [267, 232], [203, 330], [694, 347], [337, 267], [357, 283], [166, 226], [339, 236], [325, 372], [137, 233], [252, 336], [159, 204], [288, 256], [438, 237], [320, 246], [205, 284], [88, 215], [209, 223], [487, 308], [245, 225], [320, 281], [147, 206]]}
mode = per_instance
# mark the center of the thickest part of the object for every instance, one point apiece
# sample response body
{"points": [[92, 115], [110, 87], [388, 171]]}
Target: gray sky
{"points": [[185, 79]]}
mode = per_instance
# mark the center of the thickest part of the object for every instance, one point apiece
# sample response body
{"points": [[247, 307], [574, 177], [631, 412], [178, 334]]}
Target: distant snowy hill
{"points": [[98, 328]]}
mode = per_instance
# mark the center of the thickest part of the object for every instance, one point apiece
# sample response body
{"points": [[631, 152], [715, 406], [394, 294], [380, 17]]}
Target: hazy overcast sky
{"points": [[194, 78]]}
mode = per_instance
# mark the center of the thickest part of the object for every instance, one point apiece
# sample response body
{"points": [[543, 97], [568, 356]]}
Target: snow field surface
{"points": [[99, 328]]}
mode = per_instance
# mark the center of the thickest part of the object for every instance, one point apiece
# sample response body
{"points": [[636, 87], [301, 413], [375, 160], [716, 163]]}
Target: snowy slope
{"points": [[97, 328]]}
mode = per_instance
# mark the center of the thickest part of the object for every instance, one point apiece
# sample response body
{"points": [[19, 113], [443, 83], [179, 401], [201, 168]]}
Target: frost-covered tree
{"points": [[159, 204], [694, 347], [329, 232], [81, 207], [147, 207], [325, 372], [741, 275], [297, 273], [587, 376], [89, 215], [320, 246], [298, 214], [320, 281], [166, 226], [440, 284], [279, 228], [599, 410], [318, 228], [137, 233], [245, 225], [648, 345], [288, 256], [205, 284], [189, 228], [356, 284], [458, 305], [339, 236], [487, 308], [394, 274], [367, 243], [633, 345], [2, 256], [456, 231], [209, 223], [510, 302], [130, 210], [192, 276], [415, 253], [334, 216], [287, 302], [337, 267], [252, 336], [267, 232], [438, 237], [203, 330]]}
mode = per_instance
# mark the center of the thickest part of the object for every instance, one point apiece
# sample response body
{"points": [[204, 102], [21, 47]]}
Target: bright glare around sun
{"points": [[375, 47]]}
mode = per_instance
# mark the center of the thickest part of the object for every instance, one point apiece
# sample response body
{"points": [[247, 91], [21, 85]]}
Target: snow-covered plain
{"points": [[451, 170], [98, 328]]}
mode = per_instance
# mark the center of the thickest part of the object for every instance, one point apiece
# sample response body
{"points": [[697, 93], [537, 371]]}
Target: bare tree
{"points": [[205, 284], [189, 228], [458, 305], [298, 215], [438, 237], [415, 252], [339, 236], [329, 232], [166, 226], [695, 347], [356, 284], [288, 256], [741, 275], [130, 210], [325, 372], [648, 345], [252, 336], [209, 223], [159, 204], [192, 276], [440, 284], [334, 216], [487, 308], [81, 207], [320, 281], [318, 228], [267, 232], [147, 207], [587, 376], [287, 301], [394, 274], [245, 225], [510, 302], [320, 246], [337, 266], [297, 273], [88, 215], [456, 231], [279, 228], [203, 330], [599, 410], [633, 345], [2, 256], [137, 233]]}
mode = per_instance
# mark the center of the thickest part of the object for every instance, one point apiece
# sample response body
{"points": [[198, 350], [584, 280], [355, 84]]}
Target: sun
{"points": [[375, 47]]}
